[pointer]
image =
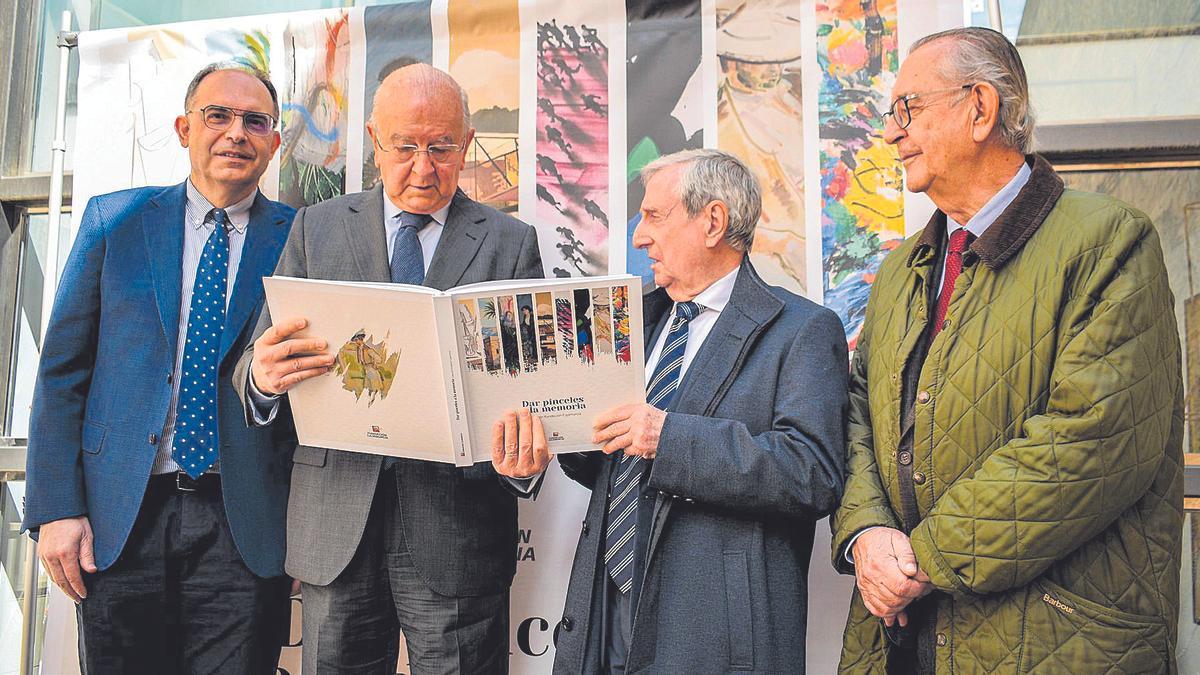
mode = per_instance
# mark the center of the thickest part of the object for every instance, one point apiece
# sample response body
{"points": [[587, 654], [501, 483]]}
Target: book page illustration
{"points": [[366, 366], [567, 355]]}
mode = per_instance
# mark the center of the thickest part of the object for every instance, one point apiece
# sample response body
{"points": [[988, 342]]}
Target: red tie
{"points": [[954, 262]]}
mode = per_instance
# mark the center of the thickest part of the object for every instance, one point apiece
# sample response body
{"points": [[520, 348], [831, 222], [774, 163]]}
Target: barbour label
{"points": [[1057, 604]]}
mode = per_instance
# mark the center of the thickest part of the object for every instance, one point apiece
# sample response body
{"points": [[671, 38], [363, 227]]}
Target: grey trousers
{"points": [[353, 625]]}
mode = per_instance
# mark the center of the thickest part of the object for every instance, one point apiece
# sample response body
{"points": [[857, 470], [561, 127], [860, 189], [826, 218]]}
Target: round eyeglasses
{"points": [[902, 114], [220, 118], [442, 153]]}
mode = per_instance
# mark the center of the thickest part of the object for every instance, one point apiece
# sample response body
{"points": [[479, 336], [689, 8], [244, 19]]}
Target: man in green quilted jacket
{"points": [[1015, 494]]}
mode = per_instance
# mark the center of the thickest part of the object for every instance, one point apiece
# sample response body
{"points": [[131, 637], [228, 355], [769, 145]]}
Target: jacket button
{"points": [[923, 396], [941, 639], [945, 324], [153, 440], [919, 478], [585, 528], [905, 457], [170, 378], [567, 623]]}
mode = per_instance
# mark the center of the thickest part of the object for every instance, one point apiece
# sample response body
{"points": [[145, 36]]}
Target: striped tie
{"points": [[621, 531]]}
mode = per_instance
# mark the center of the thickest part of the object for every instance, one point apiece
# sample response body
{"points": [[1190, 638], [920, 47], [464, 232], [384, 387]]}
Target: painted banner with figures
{"points": [[569, 101]]}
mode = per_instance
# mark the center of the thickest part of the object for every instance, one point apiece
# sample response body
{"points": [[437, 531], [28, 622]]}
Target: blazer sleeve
{"points": [[529, 260], [793, 470], [54, 465], [293, 262]]}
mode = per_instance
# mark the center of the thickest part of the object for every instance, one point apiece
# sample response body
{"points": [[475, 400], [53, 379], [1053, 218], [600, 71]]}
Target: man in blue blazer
{"points": [[157, 510], [693, 557]]}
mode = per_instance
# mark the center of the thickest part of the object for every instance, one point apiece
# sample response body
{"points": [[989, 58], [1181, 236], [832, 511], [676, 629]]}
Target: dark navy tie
{"points": [[408, 263], [621, 531], [196, 438]]}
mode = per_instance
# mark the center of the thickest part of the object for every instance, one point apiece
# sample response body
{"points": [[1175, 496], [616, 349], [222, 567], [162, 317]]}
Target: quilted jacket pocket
{"points": [[1064, 632]]}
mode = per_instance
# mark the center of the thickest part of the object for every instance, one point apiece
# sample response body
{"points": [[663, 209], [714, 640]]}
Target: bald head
{"points": [[426, 83], [422, 109]]}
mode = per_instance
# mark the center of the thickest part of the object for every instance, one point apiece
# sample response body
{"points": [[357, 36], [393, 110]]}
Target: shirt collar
{"points": [[987, 215], [716, 296], [391, 211], [238, 214]]}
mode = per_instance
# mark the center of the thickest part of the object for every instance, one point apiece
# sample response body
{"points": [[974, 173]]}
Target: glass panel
{"points": [[1010, 15], [1103, 59], [12, 582], [27, 345], [1171, 198]]}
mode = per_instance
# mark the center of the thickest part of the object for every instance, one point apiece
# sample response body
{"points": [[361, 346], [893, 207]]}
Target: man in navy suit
{"points": [[693, 556], [157, 510]]}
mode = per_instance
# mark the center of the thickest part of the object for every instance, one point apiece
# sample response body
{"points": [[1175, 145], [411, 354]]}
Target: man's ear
{"points": [[716, 222], [985, 110], [182, 128]]}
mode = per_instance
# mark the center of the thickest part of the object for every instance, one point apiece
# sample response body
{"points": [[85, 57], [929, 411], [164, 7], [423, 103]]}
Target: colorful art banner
{"points": [[862, 189], [760, 118]]}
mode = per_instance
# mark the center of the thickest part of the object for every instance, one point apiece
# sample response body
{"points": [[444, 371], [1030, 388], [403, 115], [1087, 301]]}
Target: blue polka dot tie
{"points": [[620, 532], [196, 438]]}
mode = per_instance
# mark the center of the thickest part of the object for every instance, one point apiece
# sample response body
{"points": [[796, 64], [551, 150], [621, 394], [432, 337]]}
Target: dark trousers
{"points": [[352, 626], [179, 599], [618, 627]]}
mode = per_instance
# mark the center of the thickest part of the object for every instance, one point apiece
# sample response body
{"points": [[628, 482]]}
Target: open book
{"points": [[424, 374]]}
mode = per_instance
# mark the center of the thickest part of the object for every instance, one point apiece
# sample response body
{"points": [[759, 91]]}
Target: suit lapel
{"points": [[265, 236], [366, 237], [162, 225], [751, 308], [464, 233]]}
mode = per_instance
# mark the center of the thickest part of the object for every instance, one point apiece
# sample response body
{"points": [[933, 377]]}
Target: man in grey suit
{"points": [[693, 557], [384, 545]]}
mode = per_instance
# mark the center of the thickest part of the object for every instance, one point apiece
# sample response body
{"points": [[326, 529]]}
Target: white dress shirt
{"points": [[712, 301], [196, 231]]}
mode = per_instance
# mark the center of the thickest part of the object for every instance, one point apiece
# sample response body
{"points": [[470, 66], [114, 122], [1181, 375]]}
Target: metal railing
{"points": [[12, 468]]}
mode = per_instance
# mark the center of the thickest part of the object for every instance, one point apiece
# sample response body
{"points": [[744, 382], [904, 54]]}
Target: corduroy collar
{"points": [[1005, 237]]}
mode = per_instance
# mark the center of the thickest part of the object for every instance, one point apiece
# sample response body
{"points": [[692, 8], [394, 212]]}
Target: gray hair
{"points": [[983, 55], [231, 65], [712, 175]]}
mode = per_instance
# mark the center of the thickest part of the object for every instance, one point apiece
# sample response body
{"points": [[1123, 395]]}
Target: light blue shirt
{"points": [[983, 219], [196, 231]]}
